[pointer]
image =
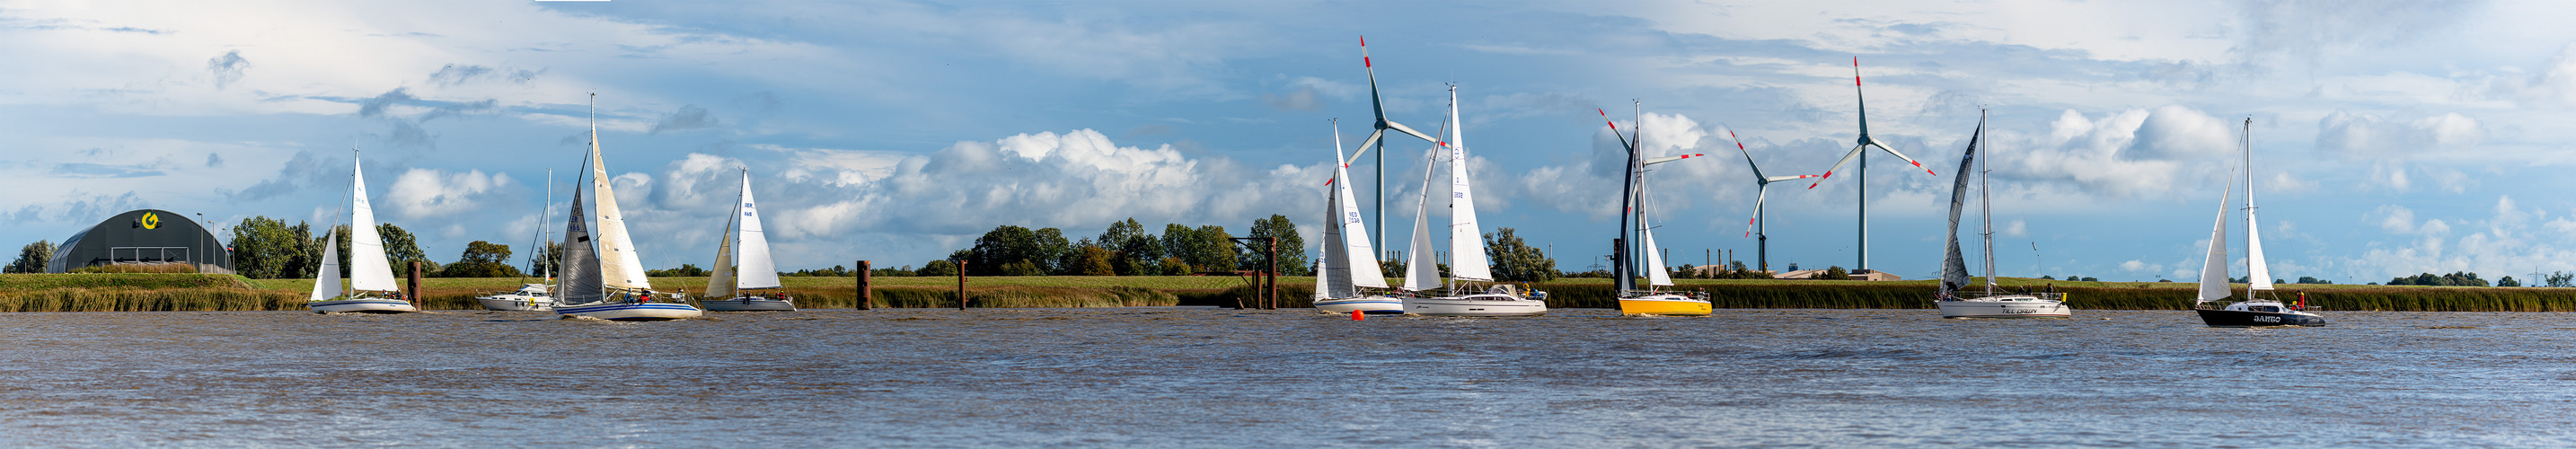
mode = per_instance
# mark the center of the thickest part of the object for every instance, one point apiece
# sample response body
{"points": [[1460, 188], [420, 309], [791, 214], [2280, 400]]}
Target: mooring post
{"points": [[961, 284], [415, 284], [865, 296], [1272, 270]]}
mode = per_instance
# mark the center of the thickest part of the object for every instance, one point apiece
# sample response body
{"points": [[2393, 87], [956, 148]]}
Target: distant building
{"points": [[143, 236], [1857, 275]]}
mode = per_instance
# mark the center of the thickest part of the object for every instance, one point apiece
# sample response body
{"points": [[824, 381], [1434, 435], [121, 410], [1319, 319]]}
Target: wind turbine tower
{"points": [[1861, 150], [1377, 138]]}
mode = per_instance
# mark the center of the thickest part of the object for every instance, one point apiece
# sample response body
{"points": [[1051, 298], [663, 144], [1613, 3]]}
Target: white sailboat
{"points": [[371, 278], [604, 278], [1954, 300], [1466, 250], [1349, 262], [530, 296], [2255, 310], [1632, 199], [745, 279]]}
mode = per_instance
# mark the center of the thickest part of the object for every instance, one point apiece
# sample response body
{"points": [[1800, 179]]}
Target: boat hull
{"points": [[364, 305], [1665, 305], [748, 305], [2246, 318], [2031, 308], [1475, 305], [628, 311], [516, 302], [1373, 305]]}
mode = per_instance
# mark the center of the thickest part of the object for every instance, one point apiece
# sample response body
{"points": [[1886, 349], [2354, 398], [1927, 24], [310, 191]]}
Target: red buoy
{"points": [[1357, 316]]}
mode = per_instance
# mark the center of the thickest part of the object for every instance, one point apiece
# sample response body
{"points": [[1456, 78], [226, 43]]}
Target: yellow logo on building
{"points": [[151, 220]]}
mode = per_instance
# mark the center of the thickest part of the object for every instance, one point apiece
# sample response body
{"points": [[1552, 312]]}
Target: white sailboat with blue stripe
{"points": [[604, 277], [745, 279]]}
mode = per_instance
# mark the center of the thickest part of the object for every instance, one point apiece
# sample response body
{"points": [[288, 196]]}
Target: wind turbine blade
{"points": [[1758, 194], [1364, 147], [1614, 131], [1671, 158], [1375, 104], [1748, 154], [1874, 143], [1847, 157], [1785, 178], [1856, 95], [1390, 124]]}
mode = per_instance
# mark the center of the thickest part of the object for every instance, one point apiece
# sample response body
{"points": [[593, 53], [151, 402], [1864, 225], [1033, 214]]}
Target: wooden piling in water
{"points": [[414, 294], [1271, 270], [961, 284], [865, 295]]}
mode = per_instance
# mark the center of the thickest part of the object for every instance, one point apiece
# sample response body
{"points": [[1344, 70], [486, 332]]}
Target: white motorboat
{"points": [[531, 296], [2254, 310], [1954, 300], [371, 286], [604, 278], [747, 282], [1467, 261], [1349, 261]]}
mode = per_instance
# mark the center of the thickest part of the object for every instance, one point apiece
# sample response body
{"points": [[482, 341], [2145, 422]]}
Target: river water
{"points": [[1194, 377]]}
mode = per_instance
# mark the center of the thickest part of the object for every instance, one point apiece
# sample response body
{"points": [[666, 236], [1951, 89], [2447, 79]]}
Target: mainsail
{"points": [[1954, 265], [1333, 271], [368, 270], [2257, 275], [755, 270], [2213, 275], [619, 266], [1466, 240], [580, 263], [326, 283], [1358, 257], [1655, 274]]}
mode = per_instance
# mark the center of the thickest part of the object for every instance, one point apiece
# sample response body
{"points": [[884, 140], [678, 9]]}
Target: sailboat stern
{"points": [[1665, 304]]}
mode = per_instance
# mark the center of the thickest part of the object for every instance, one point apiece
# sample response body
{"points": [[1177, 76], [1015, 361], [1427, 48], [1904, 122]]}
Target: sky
{"points": [[2389, 138]]}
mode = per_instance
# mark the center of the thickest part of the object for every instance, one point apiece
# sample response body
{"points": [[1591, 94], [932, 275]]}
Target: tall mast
{"points": [[1986, 205]]}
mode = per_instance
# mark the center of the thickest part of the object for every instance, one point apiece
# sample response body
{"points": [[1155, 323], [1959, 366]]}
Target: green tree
{"points": [[32, 258], [1515, 261], [1292, 248], [1052, 250], [1837, 273], [1138, 251], [1178, 241], [941, 268], [1173, 266], [1213, 249], [264, 248], [482, 260], [2508, 281], [1094, 261], [996, 252], [402, 249], [549, 263]]}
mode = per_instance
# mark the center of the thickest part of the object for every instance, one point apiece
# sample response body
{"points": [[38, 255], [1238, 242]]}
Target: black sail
{"points": [[581, 283], [1954, 267]]}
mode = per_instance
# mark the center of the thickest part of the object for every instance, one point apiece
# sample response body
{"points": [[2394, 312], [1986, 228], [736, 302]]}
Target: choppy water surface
{"points": [[1207, 377]]}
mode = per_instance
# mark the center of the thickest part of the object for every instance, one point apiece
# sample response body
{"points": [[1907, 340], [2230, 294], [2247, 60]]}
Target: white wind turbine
{"points": [[1860, 150], [1377, 138], [1757, 225]]}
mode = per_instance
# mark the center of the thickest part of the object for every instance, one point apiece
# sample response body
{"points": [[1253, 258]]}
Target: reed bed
{"points": [[146, 300]]}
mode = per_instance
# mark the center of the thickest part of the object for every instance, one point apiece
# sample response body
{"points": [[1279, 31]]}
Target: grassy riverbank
{"points": [[152, 292]]}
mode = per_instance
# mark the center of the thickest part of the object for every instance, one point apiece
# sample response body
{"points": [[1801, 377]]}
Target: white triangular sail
{"points": [[756, 269], [2258, 275], [720, 283], [1655, 274], [619, 265], [2213, 275], [1357, 254], [1333, 270], [368, 270], [1421, 271], [1466, 240], [326, 283]]}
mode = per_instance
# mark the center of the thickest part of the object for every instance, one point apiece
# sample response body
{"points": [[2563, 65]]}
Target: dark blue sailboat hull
{"points": [[2242, 318]]}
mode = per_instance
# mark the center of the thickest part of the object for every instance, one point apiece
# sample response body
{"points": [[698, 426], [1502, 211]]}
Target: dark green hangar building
{"points": [[143, 236]]}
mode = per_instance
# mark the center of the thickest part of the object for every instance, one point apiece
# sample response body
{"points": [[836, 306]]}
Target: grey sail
{"points": [[581, 283], [1954, 266]]}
